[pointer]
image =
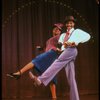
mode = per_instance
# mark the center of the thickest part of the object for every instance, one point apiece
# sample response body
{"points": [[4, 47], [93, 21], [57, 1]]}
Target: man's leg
{"points": [[70, 73], [68, 55]]}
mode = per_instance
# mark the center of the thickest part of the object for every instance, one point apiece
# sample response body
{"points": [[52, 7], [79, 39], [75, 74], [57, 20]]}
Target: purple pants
{"points": [[65, 60]]}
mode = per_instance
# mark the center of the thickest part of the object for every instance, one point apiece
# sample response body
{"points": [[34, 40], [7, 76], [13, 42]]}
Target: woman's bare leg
{"points": [[53, 90], [25, 68]]}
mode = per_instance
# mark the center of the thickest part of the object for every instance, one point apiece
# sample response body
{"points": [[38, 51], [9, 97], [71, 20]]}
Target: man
{"points": [[70, 41]]}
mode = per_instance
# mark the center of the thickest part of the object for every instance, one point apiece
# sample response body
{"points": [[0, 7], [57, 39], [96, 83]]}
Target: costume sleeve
{"points": [[79, 36], [61, 39]]}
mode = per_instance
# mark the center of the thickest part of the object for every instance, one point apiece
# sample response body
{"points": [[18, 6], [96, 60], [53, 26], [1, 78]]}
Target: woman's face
{"points": [[69, 25], [56, 31]]}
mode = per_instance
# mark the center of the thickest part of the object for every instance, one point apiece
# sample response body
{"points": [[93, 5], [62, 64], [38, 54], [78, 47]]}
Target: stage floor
{"points": [[82, 97]]}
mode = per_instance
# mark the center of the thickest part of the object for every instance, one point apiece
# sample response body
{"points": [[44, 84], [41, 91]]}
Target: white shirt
{"points": [[77, 36]]}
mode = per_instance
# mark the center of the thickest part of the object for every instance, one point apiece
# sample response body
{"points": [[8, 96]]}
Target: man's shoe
{"points": [[36, 81], [12, 75]]}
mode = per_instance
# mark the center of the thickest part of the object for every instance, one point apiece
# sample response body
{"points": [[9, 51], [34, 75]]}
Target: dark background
{"points": [[28, 23]]}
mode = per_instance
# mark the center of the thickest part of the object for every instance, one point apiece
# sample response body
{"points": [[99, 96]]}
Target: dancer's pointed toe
{"points": [[12, 75]]}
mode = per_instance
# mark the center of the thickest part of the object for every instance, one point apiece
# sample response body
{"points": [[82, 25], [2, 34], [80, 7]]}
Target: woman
{"points": [[44, 60], [70, 40]]}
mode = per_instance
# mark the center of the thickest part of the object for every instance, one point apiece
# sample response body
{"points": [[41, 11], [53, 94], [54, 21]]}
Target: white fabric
{"points": [[61, 39], [77, 36]]}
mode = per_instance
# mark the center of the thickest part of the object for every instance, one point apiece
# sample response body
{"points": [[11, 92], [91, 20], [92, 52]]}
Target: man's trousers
{"points": [[65, 60]]}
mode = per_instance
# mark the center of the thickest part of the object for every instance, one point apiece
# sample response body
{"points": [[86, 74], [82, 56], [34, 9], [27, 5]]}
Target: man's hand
{"points": [[69, 44]]}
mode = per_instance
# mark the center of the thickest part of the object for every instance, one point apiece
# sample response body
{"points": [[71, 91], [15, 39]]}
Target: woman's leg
{"points": [[25, 68], [53, 90], [18, 74]]}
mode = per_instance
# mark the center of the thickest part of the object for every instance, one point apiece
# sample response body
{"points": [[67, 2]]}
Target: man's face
{"points": [[70, 24], [56, 31]]}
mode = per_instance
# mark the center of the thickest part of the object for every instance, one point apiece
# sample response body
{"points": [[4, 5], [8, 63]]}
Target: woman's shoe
{"points": [[54, 98], [12, 75]]}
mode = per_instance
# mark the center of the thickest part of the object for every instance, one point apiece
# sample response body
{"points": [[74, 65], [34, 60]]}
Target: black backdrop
{"points": [[27, 23]]}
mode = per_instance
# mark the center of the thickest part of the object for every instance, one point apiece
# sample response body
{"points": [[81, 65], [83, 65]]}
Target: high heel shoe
{"points": [[16, 76]]}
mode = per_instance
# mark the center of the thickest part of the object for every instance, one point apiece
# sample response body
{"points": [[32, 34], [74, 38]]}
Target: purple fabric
{"points": [[70, 73], [68, 55], [65, 60]]}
